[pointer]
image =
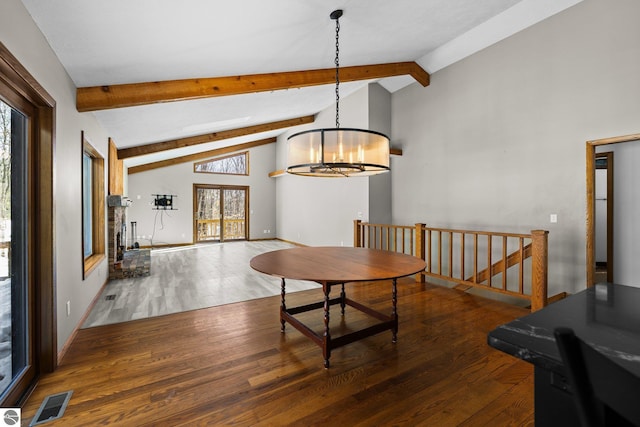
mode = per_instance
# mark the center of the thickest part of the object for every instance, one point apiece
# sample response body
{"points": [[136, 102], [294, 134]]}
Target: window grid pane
{"points": [[232, 165], [87, 208]]}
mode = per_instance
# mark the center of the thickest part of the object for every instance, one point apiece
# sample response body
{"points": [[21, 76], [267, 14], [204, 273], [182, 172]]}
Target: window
{"points": [[236, 164], [87, 229], [93, 201], [14, 277]]}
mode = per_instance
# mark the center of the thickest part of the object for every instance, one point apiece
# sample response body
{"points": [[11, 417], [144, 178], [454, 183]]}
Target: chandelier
{"points": [[337, 152]]}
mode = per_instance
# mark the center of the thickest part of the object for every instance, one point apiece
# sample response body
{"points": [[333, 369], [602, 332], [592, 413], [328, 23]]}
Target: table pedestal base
{"points": [[325, 341]]}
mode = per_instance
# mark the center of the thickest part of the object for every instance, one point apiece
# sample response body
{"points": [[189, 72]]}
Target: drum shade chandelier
{"points": [[337, 152]]}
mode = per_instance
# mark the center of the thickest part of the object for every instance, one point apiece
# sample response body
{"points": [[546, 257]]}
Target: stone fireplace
{"points": [[123, 261]]}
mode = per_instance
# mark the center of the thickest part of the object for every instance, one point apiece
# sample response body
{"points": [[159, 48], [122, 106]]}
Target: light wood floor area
{"points": [[189, 278], [230, 365]]}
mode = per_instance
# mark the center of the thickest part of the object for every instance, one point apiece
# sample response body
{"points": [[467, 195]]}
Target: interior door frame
{"points": [[591, 205], [220, 187]]}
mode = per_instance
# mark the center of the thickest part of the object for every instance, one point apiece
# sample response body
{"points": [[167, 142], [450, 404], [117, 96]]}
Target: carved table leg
{"points": [[283, 306], [343, 296], [394, 311], [326, 347]]}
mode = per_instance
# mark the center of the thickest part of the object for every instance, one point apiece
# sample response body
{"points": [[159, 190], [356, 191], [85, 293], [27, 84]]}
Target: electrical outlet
{"points": [[68, 308], [553, 218]]}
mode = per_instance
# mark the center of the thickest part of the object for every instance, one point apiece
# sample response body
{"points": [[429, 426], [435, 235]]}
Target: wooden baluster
{"points": [[430, 252], [357, 233], [403, 241], [462, 236], [388, 238], [450, 254], [475, 257], [440, 253], [489, 263], [420, 249], [504, 262], [521, 266], [539, 261]]}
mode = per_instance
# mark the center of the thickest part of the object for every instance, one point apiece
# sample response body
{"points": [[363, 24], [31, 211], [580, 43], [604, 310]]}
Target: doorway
{"points": [[604, 217], [220, 213], [592, 156]]}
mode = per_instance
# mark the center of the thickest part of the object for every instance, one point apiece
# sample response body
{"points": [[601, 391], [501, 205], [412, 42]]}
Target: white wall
{"points": [[176, 226], [497, 141], [380, 203], [626, 211], [24, 40]]}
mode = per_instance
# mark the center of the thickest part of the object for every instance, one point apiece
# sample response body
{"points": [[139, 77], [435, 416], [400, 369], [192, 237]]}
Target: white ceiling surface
{"points": [[122, 41]]}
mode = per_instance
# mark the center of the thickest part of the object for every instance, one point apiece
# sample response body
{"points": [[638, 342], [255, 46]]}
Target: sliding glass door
{"points": [[16, 313], [220, 213], [28, 344]]}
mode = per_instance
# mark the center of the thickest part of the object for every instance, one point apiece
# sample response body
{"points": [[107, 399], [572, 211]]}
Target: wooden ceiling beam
{"points": [[199, 156], [140, 150], [129, 95]]}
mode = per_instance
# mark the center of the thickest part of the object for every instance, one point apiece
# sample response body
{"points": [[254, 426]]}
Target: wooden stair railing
{"points": [[468, 258]]}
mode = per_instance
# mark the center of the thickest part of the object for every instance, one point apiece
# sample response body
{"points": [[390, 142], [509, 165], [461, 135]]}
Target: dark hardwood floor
{"points": [[230, 365]]}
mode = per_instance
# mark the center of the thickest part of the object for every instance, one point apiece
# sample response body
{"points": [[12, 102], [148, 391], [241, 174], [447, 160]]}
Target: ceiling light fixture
{"points": [[337, 152]]}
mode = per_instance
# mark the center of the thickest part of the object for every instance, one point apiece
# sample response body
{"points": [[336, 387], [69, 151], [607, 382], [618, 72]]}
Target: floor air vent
{"points": [[52, 408], [110, 297]]}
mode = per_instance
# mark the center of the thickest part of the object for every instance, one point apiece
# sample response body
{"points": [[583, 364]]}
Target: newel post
{"points": [[420, 248], [539, 265], [357, 233]]}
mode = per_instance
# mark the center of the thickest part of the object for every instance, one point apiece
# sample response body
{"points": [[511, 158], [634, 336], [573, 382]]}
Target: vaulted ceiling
{"points": [[166, 71]]}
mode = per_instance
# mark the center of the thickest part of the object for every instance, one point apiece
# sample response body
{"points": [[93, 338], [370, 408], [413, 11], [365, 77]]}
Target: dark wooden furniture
{"points": [[605, 316], [332, 266], [605, 393]]}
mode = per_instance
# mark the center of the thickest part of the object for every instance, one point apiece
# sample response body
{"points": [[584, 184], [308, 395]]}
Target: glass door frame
{"points": [[222, 188], [22, 92]]}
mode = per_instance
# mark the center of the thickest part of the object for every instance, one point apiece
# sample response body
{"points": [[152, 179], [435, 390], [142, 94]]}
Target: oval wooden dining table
{"points": [[330, 266]]}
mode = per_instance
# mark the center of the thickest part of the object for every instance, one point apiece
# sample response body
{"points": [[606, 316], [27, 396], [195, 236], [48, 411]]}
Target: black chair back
{"points": [[605, 393]]}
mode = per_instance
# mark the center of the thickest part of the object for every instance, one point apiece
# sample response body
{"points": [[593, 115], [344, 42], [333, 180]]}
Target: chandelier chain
{"points": [[337, 61]]}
